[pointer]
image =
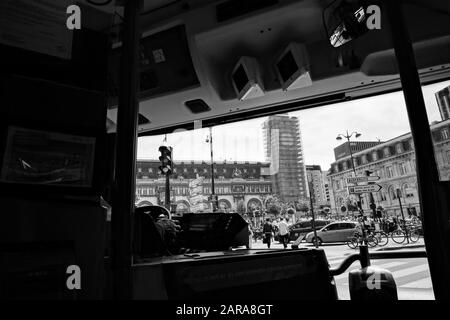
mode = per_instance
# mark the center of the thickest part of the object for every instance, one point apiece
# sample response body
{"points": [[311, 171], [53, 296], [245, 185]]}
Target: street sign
{"points": [[362, 179], [364, 189]]}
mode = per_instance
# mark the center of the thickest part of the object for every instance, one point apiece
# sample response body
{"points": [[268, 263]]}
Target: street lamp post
{"points": [[363, 249], [348, 136], [213, 194]]}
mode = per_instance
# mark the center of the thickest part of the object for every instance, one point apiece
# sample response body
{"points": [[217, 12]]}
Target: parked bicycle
{"points": [[358, 240], [407, 233], [381, 236]]}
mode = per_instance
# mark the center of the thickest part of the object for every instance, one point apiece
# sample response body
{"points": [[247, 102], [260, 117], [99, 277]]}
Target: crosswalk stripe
{"points": [[424, 283], [409, 271], [386, 265]]}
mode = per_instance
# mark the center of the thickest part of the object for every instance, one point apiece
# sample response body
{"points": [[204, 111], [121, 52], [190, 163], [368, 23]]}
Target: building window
{"points": [[399, 148], [403, 169], [139, 169], [393, 193], [448, 156], [380, 173], [408, 191], [364, 159], [344, 165], [195, 170], [386, 152], [375, 156], [224, 170], [389, 172], [445, 134]]}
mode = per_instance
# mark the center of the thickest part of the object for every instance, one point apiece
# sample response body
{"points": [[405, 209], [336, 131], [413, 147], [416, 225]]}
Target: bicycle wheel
{"points": [[382, 238], [352, 242], [413, 236], [372, 241], [398, 236]]}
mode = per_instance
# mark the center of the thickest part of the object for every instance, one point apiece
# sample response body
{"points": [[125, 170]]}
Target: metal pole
{"points": [[364, 237], [434, 197], [313, 216], [125, 175], [372, 199], [167, 194], [213, 193], [403, 216], [354, 171]]}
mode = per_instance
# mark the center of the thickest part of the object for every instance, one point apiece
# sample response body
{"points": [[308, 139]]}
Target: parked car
{"points": [[304, 227], [339, 231]]}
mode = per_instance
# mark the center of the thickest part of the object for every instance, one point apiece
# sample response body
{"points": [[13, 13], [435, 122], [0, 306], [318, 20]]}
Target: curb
{"points": [[402, 247]]}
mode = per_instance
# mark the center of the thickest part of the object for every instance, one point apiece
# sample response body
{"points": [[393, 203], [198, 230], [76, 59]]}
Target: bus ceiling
{"points": [[203, 60]]}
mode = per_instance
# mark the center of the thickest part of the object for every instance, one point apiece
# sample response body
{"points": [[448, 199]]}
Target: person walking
{"points": [[284, 232], [267, 231], [250, 231]]}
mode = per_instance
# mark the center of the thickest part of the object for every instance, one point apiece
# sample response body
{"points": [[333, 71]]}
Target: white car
{"points": [[339, 231]]}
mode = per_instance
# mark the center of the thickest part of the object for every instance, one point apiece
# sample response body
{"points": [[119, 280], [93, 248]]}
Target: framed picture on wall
{"points": [[38, 157]]}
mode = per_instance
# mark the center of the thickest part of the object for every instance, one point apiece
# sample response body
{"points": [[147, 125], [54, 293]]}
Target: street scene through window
{"points": [[351, 162]]}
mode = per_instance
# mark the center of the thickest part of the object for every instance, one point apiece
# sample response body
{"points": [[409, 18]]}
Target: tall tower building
{"points": [[443, 101], [316, 185], [283, 149]]}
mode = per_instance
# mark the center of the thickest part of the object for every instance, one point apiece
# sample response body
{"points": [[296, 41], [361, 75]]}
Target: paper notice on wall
{"points": [[36, 25]]}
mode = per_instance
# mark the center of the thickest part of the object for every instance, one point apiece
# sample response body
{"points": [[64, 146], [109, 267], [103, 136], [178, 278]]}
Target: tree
{"points": [[275, 206], [302, 206]]}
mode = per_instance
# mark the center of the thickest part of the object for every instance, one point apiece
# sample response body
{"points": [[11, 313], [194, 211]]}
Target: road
{"points": [[412, 276]]}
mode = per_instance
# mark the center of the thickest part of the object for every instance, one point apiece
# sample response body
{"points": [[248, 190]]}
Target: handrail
{"points": [[344, 265], [376, 255]]}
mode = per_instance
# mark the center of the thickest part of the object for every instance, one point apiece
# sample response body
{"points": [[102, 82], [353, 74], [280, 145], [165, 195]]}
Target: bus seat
{"points": [[44, 220]]}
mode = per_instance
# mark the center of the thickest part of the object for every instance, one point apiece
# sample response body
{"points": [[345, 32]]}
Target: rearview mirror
{"points": [[324, 230], [344, 20]]}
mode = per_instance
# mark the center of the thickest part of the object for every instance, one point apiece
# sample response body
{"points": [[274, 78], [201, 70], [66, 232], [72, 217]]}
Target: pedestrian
{"points": [[284, 232], [267, 231], [250, 231]]}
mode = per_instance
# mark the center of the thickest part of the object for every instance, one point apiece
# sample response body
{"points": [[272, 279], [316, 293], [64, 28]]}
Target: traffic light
{"points": [[166, 160]]}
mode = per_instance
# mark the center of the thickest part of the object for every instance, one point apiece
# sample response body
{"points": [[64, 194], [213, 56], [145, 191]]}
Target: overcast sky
{"points": [[382, 117]]}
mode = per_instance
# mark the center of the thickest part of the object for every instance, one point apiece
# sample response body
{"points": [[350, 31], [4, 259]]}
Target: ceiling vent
{"points": [[197, 106]]}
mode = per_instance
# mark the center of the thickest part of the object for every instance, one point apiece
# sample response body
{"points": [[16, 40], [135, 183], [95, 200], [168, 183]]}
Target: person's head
{"points": [[267, 219]]}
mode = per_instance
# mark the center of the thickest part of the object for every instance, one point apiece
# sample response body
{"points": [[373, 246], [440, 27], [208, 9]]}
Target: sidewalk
{"points": [[394, 246]]}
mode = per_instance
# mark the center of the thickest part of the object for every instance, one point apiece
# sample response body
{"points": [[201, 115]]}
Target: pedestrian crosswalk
{"points": [[407, 273]]}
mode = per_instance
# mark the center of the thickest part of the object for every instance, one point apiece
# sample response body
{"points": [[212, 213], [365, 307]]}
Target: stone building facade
{"points": [[394, 162], [237, 184]]}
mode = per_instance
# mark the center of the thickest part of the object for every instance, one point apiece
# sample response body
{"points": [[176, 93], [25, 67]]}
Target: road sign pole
{"points": [[313, 216], [399, 193], [372, 200]]}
